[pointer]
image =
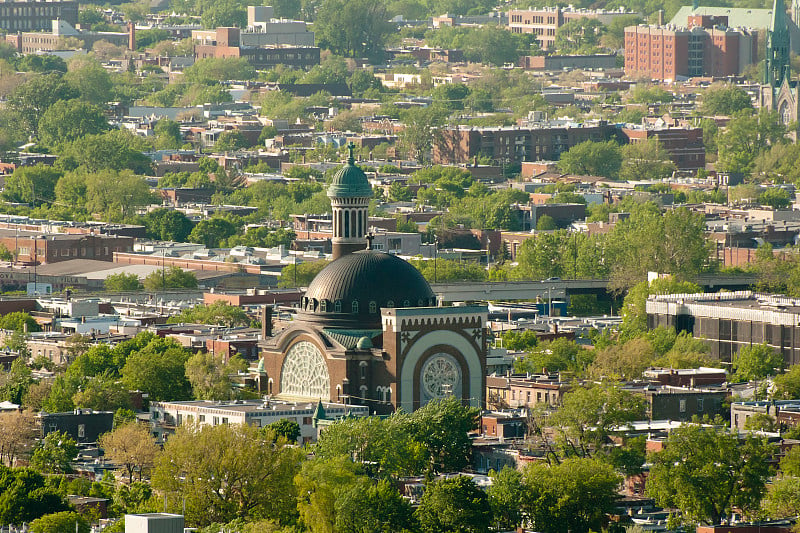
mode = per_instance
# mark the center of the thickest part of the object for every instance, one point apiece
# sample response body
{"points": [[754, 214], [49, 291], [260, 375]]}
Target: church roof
{"points": [[351, 291], [350, 181]]}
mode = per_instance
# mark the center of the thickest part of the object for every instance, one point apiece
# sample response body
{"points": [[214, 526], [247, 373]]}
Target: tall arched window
{"points": [[355, 306]]}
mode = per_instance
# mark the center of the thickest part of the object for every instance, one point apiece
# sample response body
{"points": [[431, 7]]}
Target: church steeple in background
{"points": [[776, 64]]}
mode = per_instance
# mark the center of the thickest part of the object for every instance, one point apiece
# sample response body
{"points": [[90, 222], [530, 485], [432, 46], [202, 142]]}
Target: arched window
{"points": [[388, 397], [390, 303], [373, 307], [337, 306], [323, 306], [347, 224], [362, 367], [406, 303], [355, 306]]}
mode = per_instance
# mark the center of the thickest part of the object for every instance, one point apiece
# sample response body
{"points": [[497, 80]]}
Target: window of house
{"points": [[81, 431], [224, 420], [700, 404], [682, 406]]}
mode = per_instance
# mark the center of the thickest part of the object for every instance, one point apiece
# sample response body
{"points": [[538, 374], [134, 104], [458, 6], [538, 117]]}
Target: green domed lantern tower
{"points": [[350, 193]]}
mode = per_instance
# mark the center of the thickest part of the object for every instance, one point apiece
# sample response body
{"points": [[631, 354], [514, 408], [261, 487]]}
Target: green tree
{"points": [[579, 36], [593, 159], [132, 447], [775, 198], [103, 393], [505, 495], [782, 499], [170, 278], [520, 340], [624, 361], [588, 416], [355, 28], [168, 134], [263, 237], [219, 313], [449, 448], [756, 361], [210, 377], [254, 476], [14, 384], [116, 194], [87, 76], [230, 141], [420, 132], [575, 495], [546, 223], [787, 385], [555, 356], [34, 97], [670, 243], [122, 282], [286, 428], [25, 497], [19, 321], [30, 183], [387, 447], [646, 160], [63, 522], [168, 225], [746, 136], [224, 13], [724, 99], [115, 150], [707, 472], [55, 453], [158, 370], [454, 505], [634, 313], [365, 507], [211, 232], [300, 274]]}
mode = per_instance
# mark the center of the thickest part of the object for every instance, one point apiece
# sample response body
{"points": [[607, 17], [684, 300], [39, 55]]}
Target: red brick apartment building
{"points": [[684, 145], [706, 47], [34, 247]]}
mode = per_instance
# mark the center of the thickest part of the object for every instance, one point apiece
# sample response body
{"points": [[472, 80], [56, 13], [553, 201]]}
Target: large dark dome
{"points": [[352, 290]]}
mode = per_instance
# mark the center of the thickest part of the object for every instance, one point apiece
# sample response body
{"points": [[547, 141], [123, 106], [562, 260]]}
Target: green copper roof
{"points": [[350, 181]]}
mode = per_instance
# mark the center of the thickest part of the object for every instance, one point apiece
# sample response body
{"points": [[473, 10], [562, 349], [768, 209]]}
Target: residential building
{"points": [[730, 321], [706, 47], [32, 42], [524, 390], [569, 62], [681, 403], [82, 425], [686, 377], [684, 144], [34, 247], [545, 140], [228, 42], [36, 15], [167, 416], [544, 22]]}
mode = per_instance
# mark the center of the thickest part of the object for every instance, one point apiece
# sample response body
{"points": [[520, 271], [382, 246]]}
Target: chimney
{"points": [[660, 17], [131, 36], [266, 322]]}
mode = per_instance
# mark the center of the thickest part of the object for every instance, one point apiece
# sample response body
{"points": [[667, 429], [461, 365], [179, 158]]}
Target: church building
{"points": [[369, 330], [779, 92]]}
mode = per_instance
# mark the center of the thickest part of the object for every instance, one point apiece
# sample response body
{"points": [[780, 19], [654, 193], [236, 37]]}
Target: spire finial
{"points": [[351, 158]]}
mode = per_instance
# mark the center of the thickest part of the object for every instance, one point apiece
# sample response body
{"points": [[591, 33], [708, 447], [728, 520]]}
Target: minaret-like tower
{"points": [[776, 64], [350, 193]]}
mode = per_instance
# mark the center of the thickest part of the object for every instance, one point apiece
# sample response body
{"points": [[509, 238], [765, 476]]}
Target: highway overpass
{"points": [[558, 288]]}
